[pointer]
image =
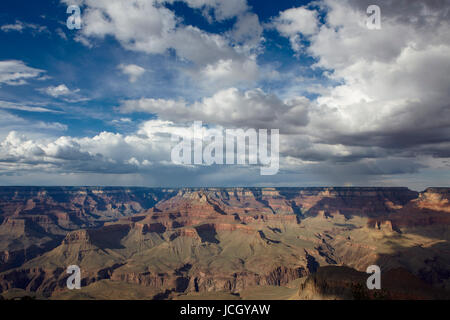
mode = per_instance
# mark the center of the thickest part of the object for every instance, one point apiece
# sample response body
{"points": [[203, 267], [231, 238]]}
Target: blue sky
{"points": [[95, 106], [94, 70]]}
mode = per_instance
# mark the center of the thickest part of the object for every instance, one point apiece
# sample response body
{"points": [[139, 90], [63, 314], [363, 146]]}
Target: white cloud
{"points": [[230, 107], [32, 128], [148, 26], [222, 9], [144, 156], [132, 71], [24, 107], [226, 73], [389, 113], [394, 86], [60, 90], [297, 20], [104, 153], [121, 120], [20, 26], [247, 31], [15, 72]]}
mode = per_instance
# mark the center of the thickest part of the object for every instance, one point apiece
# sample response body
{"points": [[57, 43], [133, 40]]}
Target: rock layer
{"points": [[177, 241]]}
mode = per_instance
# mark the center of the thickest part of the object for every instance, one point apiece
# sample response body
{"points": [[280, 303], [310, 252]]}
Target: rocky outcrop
{"points": [[219, 239], [436, 199], [56, 209], [344, 283]]}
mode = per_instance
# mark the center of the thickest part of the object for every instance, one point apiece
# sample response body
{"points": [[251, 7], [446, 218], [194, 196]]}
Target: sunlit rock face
{"points": [[170, 243]]}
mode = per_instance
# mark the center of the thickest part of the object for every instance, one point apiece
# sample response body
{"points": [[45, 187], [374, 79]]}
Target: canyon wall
{"points": [[177, 241]]}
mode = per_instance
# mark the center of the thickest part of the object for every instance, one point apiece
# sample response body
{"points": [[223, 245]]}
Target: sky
{"points": [[355, 106]]}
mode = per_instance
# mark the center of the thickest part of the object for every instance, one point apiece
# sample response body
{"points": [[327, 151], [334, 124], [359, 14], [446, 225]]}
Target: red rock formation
{"points": [[105, 228]]}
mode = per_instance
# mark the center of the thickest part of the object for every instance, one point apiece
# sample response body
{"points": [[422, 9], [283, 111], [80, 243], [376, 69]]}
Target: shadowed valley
{"points": [[224, 243]]}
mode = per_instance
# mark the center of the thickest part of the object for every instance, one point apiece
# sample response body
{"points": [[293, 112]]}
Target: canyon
{"points": [[224, 243]]}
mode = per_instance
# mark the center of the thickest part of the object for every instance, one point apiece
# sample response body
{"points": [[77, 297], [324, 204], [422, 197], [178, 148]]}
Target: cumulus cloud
{"points": [[132, 71], [222, 10], [147, 26], [104, 153], [247, 31], [394, 86], [60, 90], [231, 108], [150, 27], [383, 111], [146, 153], [225, 73], [294, 22], [15, 72]]}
